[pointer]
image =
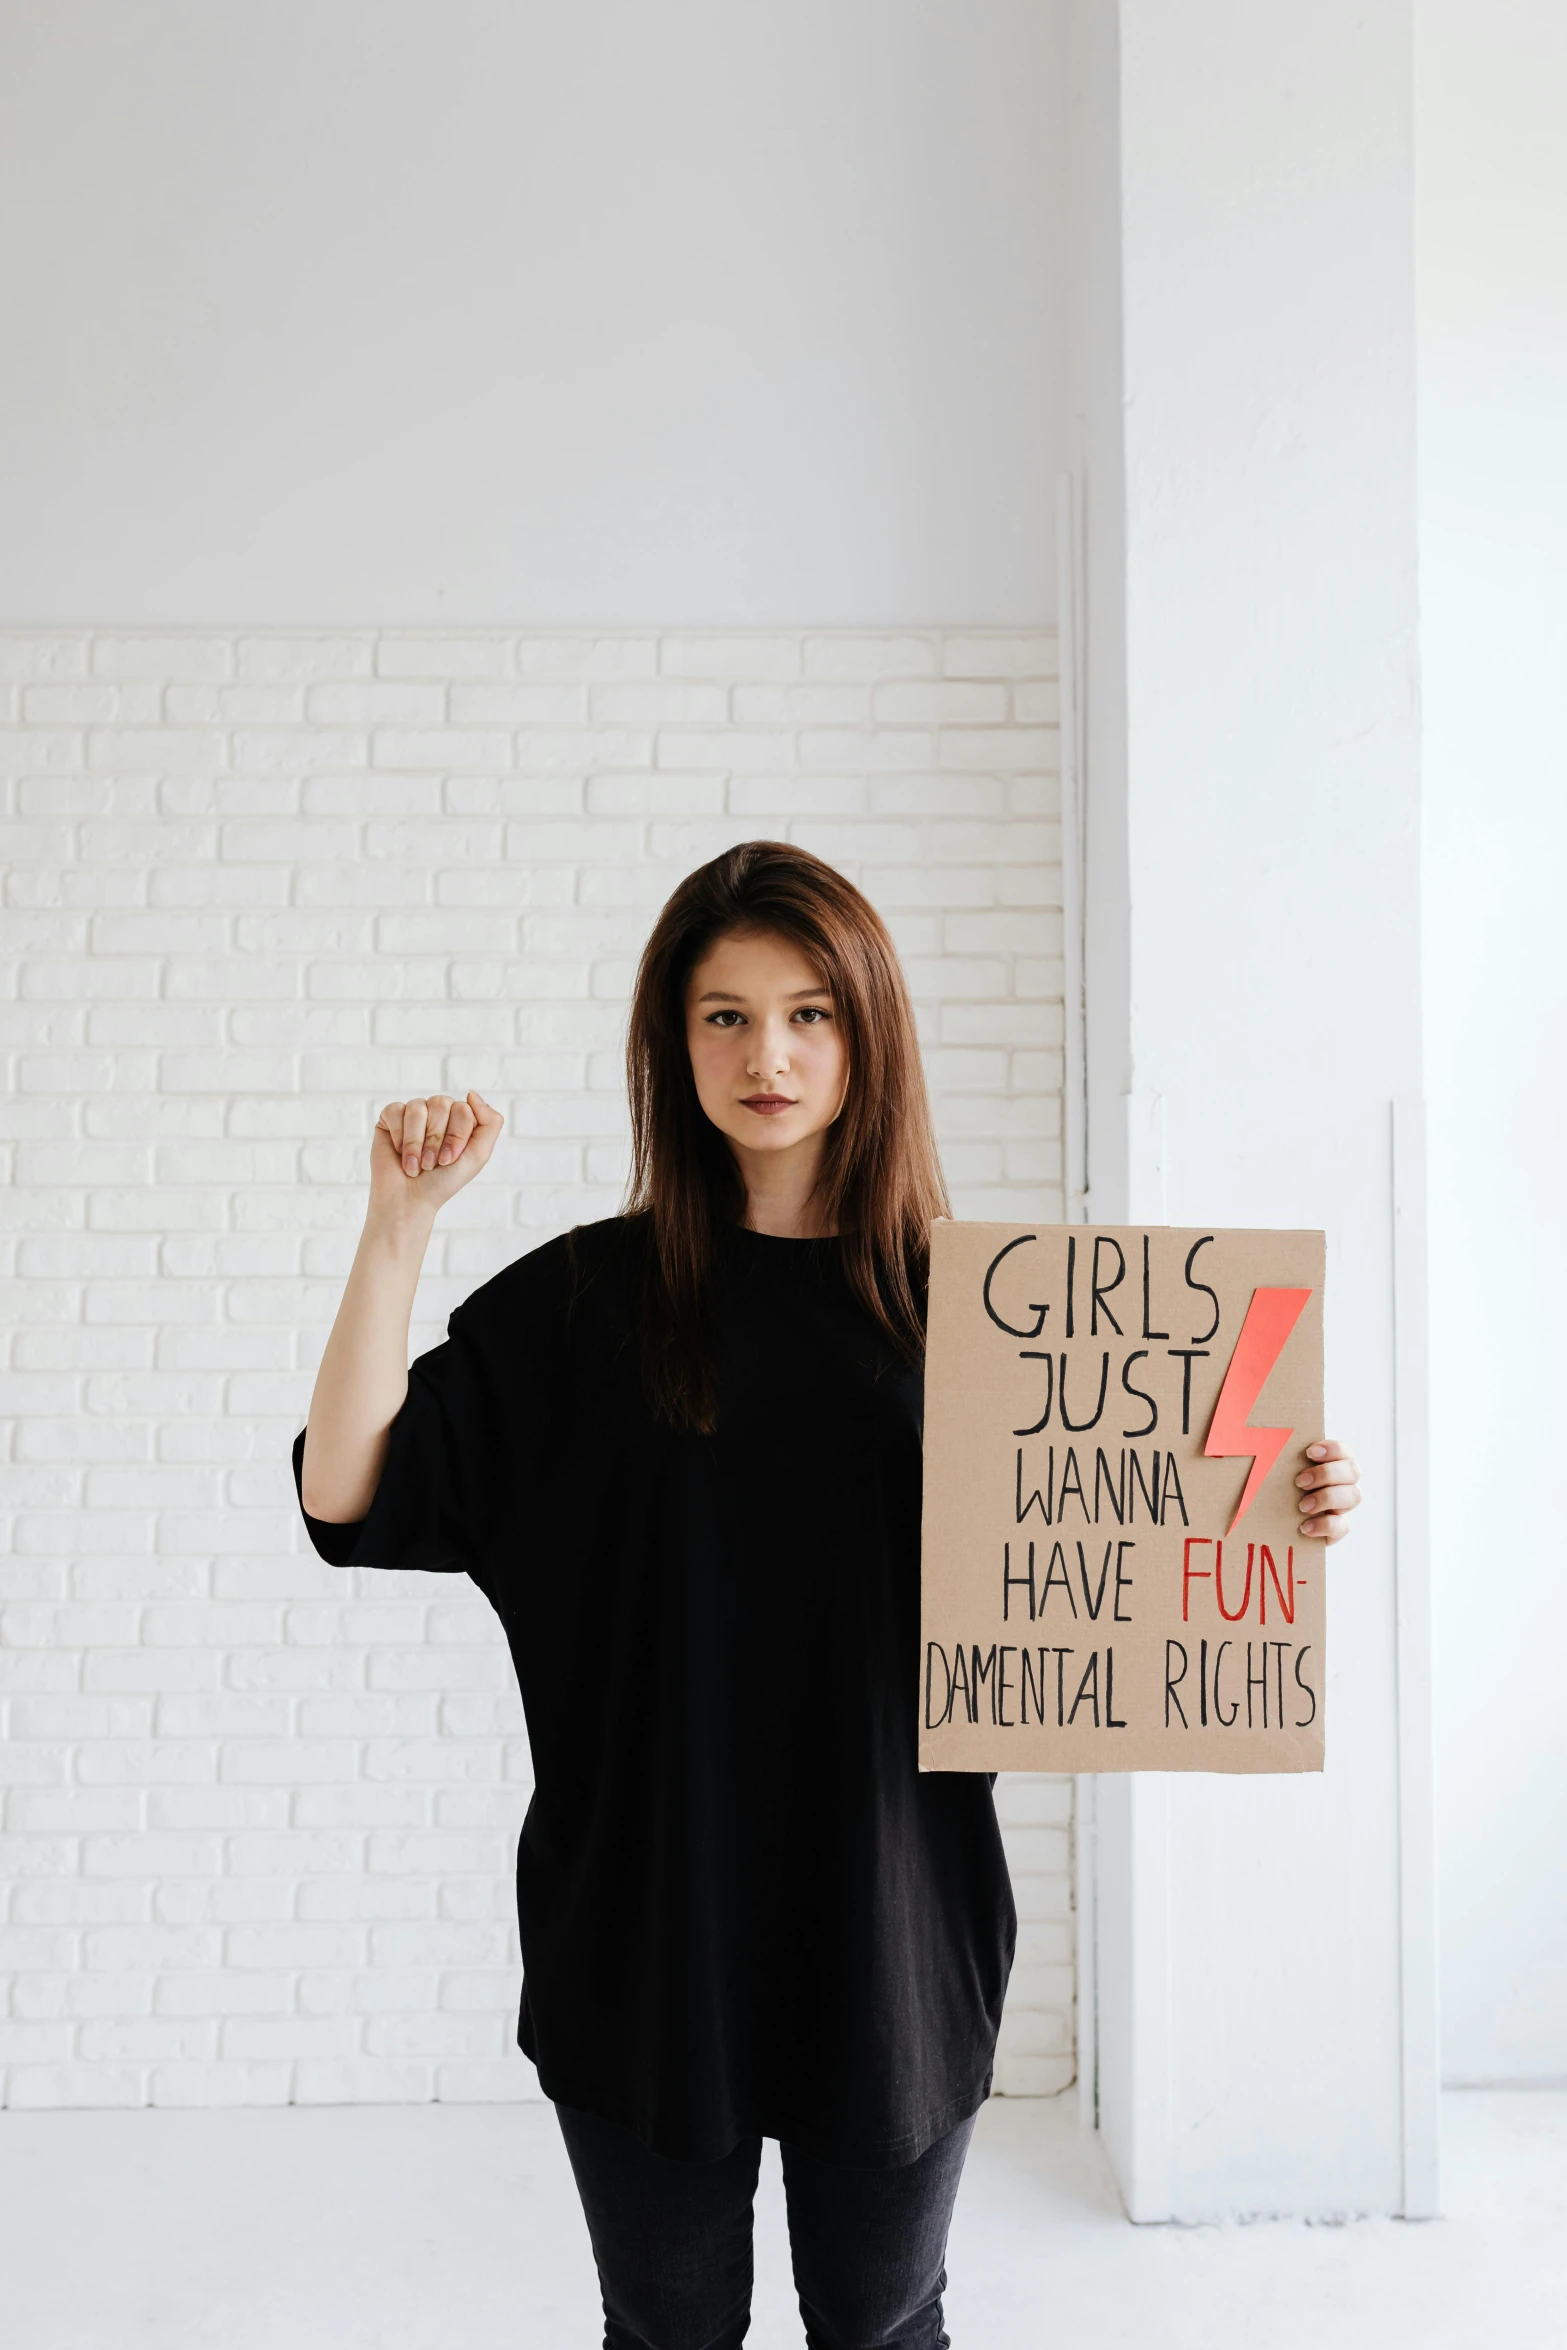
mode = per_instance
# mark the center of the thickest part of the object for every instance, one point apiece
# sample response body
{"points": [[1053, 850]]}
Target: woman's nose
{"points": [[771, 1053]]}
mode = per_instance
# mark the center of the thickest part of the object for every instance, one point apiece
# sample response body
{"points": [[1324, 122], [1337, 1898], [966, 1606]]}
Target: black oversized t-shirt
{"points": [[743, 1909]]}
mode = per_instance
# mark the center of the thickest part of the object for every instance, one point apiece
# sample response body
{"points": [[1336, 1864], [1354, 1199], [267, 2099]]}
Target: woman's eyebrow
{"points": [[722, 995]]}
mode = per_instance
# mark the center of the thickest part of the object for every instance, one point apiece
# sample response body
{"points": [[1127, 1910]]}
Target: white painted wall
{"points": [[714, 312], [473, 317], [1492, 191], [1253, 968], [259, 1816]]}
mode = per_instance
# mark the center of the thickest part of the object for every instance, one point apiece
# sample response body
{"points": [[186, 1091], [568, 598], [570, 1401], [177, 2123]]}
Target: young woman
{"points": [[679, 1451]]}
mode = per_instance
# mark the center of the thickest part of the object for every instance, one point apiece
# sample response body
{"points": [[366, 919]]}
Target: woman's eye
{"points": [[723, 1019], [812, 1014]]}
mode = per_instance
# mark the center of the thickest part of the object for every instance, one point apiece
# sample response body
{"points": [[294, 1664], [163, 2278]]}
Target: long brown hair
{"points": [[880, 1182]]}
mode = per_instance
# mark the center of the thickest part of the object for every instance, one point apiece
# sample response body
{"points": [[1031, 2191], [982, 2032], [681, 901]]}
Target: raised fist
{"points": [[423, 1151]]}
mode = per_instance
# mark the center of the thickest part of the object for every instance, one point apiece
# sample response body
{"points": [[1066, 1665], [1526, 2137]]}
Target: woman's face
{"points": [[767, 1051]]}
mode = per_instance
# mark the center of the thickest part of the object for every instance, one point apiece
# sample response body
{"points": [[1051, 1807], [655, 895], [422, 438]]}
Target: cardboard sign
{"points": [[1112, 1575]]}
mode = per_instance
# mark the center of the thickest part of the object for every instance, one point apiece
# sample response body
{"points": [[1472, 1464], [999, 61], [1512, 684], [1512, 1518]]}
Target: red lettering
{"points": [[1268, 1568], [1231, 1615], [1188, 1572]]}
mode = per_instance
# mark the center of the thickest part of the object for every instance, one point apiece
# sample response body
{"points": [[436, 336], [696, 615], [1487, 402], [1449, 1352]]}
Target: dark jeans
{"points": [[673, 2241]]}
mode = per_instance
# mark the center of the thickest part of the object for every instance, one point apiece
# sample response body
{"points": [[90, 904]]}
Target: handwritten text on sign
{"points": [[1112, 1578]]}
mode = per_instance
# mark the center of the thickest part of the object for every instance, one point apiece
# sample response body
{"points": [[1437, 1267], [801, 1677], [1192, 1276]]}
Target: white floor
{"points": [[456, 2228]]}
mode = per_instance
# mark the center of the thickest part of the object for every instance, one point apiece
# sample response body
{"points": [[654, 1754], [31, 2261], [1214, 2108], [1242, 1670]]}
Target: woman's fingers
{"points": [[486, 1128], [1329, 1474], [1329, 1489], [459, 1125], [414, 1121], [439, 1131], [437, 1113]]}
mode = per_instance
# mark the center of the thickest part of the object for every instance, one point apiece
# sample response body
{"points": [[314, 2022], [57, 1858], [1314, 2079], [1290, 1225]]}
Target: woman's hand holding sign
{"points": [[1124, 1520], [1330, 1485]]}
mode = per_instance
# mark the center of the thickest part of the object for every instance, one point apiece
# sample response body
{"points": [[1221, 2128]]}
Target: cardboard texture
{"points": [[1112, 1579]]}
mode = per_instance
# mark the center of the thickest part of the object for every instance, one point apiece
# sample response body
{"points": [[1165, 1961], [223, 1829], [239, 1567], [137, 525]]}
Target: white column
{"points": [[1243, 364], [1492, 81]]}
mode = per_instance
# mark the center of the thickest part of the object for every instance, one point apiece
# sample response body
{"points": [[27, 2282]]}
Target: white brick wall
{"points": [[260, 1815]]}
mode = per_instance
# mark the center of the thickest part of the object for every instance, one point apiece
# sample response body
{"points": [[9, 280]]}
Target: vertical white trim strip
{"points": [[1148, 2186], [1418, 2025], [1074, 1190], [1085, 1895], [1074, 1118]]}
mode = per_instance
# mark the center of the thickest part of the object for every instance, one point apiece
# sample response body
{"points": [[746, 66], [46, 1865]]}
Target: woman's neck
{"points": [[781, 1197]]}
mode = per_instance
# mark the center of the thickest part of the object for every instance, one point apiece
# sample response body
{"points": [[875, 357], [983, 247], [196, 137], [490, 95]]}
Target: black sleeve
{"points": [[460, 1449]]}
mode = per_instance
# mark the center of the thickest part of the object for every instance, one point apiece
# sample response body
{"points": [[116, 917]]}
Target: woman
{"points": [[680, 1453]]}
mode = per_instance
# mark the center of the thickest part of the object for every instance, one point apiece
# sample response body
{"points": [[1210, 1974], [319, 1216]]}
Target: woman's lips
{"points": [[767, 1105]]}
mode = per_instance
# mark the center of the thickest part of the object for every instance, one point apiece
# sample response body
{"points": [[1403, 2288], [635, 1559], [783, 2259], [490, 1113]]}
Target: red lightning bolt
{"points": [[1270, 1318]]}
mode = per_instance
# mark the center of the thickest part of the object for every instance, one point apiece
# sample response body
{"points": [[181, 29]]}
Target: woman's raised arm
{"points": [[420, 1154]]}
